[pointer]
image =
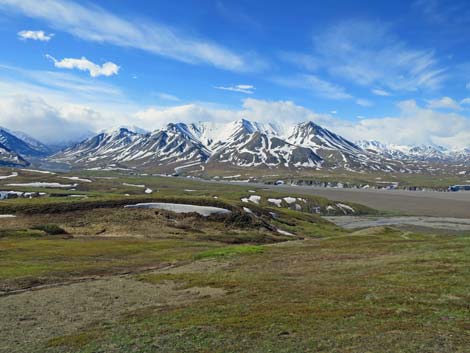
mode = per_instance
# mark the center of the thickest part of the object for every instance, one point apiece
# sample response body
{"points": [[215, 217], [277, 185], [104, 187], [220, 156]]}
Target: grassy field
{"points": [[87, 275]]}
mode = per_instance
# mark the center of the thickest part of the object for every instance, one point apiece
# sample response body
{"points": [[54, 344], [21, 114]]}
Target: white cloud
{"points": [[167, 96], [465, 101], [306, 61], [367, 53], [414, 125], [333, 112], [43, 121], [35, 35], [364, 102], [56, 107], [93, 23], [316, 85], [380, 92], [247, 89], [444, 103], [83, 64]]}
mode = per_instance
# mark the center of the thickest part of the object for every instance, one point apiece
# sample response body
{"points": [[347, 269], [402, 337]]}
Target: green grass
{"points": [[49, 260], [376, 293], [230, 251]]}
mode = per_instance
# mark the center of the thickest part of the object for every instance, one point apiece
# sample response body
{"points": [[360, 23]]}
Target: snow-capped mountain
{"points": [[9, 158], [212, 133], [22, 144], [170, 147], [416, 153], [239, 144], [336, 151], [249, 147]]}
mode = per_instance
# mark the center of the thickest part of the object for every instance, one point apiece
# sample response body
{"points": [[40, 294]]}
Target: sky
{"points": [[393, 71]]}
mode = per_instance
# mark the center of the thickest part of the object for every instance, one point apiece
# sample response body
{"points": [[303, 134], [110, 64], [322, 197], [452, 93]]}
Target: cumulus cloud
{"points": [[43, 121], [35, 35], [83, 64], [247, 89], [444, 103], [414, 125], [95, 24]]}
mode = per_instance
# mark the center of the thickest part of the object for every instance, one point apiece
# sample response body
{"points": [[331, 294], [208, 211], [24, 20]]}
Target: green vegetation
{"points": [[377, 293], [109, 279], [230, 251], [50, 229]]}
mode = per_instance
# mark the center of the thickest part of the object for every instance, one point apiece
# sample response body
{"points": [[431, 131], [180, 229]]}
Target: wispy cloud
{"points": [[465, 101], [319, 87], [93, 23], [247, 89], [35, 35], [380, 92], [443, 12], [308, 62], [166, 96], [364, 102], [367, 53], [83, 64]]}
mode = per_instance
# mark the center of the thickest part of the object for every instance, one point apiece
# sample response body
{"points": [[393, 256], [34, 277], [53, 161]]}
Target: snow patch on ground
{"points": [[277, 202], [7, 216], [41, 184], [77, 179], [12, 175], [255, 199], [148, 191], [252, 198], [134, 185], [232, 176], [247, 210], [182, 208], [345, 208], [289, 199], [38, 171], [283, 232]]}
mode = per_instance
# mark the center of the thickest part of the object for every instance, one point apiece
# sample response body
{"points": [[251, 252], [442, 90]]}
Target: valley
{"points": [[81, 272]]}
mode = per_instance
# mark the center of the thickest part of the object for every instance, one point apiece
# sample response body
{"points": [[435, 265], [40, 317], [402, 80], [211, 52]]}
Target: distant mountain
{"points": [[416, 153], [254, 145], [9, 158], [172, 146], [22, 144], [238, 144]]}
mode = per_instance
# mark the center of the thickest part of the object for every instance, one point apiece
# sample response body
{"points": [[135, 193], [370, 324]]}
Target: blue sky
{"points": [[394, 71]]}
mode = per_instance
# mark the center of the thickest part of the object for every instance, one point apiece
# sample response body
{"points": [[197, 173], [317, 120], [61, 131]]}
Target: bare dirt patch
{"points": [[33, 318]]}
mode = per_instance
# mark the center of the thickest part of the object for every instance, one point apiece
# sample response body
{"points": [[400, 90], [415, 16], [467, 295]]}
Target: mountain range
{"points": [[238, 144]]}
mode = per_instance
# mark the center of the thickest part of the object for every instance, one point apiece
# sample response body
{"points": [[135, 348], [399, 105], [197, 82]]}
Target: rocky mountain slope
{"points": [[241, 143], [238, 144]]}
